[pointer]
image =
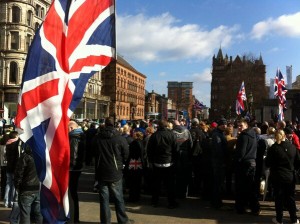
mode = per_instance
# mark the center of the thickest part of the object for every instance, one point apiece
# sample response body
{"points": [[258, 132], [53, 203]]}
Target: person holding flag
{"points": [[66, 51]]}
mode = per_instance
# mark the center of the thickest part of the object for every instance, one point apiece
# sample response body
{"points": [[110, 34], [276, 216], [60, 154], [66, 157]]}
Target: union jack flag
{"points": [[135, 164], [198, 105], [280, 91], [76, 39], [241, 97]]}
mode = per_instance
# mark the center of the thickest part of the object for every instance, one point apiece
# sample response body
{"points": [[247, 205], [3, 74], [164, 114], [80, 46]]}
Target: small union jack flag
{"points": [[76, 39], [135, 164], [241, 97], [280, 91]]}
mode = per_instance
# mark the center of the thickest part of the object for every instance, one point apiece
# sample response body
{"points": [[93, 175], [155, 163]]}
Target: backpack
{"points": [[197, 149]]}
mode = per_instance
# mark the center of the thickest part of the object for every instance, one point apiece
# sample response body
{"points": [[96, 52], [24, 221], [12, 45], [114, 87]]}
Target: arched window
{"points": [[37, 10], [14, 43], [16, 14], [29, 18], [13, 72], [36, 26], [42, 12], [28, 41]]}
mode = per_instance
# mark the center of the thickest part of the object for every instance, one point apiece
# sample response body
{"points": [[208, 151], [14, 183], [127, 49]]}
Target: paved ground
{"points": [[191, 210]]}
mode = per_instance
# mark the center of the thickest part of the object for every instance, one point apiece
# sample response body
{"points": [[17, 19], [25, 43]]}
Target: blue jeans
{"points": [[29, 203], [9, 190], [116, 189]]}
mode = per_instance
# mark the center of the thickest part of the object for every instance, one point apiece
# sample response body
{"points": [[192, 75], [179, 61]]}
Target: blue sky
{"points": [[175, 40]]}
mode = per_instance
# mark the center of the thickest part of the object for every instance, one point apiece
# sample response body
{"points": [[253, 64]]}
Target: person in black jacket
{"points": [[135, 166], [12, 155], [111, 155], [162, 151], [184, 159], [245, 161], [76, 139], [28, 187], [197, 162], [283, 158], [218, 159]]}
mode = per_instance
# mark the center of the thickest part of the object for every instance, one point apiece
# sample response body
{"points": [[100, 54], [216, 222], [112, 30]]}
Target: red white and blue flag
{"points": [[279, 92], [198, 105], [76, 39], [241, 97]]}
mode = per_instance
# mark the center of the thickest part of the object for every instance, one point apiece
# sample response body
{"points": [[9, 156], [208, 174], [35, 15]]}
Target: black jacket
{"points": [[282, 159], [219, 148], [12, 156], [111, 154], [77, 149], [246, 146], [162, 147], [26, 179]]}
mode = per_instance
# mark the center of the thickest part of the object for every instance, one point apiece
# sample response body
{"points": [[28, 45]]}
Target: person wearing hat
{"points": [[245, 167], [218, 155]]}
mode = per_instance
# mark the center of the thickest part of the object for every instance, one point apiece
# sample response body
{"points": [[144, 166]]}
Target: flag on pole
{"points": [[76, 39], [241, 97], [279, 92], [198, 105]]}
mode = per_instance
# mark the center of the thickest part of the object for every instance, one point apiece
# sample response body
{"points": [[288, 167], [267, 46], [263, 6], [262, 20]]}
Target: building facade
{"points": [[227, 77], [159, 106], [126, 88], [18, 23], [181, 93]]}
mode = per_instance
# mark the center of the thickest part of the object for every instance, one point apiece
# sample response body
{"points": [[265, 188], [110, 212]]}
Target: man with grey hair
{"points": [[184, 158]]}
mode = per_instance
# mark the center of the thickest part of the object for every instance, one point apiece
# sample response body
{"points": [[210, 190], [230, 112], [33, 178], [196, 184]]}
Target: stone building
{"points": [[227, 77], [18, 22], [181, 94], [158, 106], [126, 88]]}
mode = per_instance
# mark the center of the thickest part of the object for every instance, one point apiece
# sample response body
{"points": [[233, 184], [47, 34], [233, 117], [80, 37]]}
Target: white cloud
{"points": [[161, 39], [285, 25]]}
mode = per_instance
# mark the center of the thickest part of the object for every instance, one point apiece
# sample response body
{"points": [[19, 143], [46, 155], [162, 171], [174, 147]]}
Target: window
{"points": [[14, 43], [13, 73], [36, 26], [29, 18], [16, 14], [37, 10], [28, 41]]}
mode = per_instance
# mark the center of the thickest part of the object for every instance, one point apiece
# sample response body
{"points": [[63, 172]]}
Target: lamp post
{"points": [[250, 103]]}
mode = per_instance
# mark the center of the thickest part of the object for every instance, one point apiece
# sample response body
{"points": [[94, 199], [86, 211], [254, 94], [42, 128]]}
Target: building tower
{"points": [[227, 77], [181, 94], [18, 22], [289, 76]]}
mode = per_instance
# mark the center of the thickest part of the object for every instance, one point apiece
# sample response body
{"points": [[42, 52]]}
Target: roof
{"points": [[126, 64]]}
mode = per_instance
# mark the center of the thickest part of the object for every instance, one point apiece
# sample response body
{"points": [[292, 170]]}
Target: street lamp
{"points": [[250, 102]]}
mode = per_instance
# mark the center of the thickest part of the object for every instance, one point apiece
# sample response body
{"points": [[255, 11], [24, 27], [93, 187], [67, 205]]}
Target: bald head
{"points": [[72, 125]]}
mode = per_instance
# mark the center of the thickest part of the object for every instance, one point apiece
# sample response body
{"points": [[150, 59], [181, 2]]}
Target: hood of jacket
{"points": [[250, 132], [108, 132], [179, 129]]}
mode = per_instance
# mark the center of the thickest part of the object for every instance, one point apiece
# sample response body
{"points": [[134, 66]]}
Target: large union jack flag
{"points": [[76, 39], [279, 92], [241, 97]]}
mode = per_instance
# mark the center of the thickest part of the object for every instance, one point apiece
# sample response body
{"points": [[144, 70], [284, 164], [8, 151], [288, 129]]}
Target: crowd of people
{"points": [[242, 159]]}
